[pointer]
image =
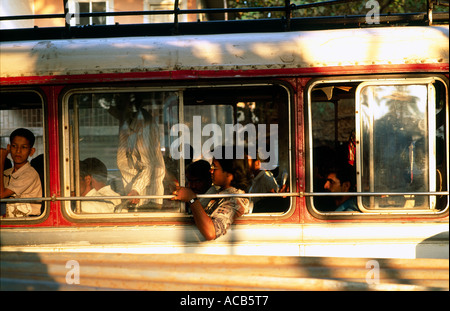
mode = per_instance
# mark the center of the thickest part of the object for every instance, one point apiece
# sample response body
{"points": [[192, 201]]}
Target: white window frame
{"points": [[75, 9], [150, 5]]}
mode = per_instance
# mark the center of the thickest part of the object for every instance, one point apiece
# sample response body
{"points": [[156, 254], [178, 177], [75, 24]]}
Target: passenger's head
{"points": [[21, 145], [85, 179], [341, 179], [25, 133], [254, 163], [198, 176], [97, 170], [234, 169]]}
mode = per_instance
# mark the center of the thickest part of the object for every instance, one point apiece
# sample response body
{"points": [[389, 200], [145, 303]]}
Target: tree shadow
{"points": [[24, 271]]}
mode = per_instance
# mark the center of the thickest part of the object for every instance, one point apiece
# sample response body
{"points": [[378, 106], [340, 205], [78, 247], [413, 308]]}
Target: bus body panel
{"points": [[364, 240], [272, 52]]}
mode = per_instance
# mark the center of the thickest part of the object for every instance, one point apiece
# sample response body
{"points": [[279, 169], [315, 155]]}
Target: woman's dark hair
{"points": [[238, 167]]}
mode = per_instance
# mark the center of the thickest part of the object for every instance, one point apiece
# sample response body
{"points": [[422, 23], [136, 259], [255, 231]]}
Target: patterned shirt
{"points": [[223, 212]]}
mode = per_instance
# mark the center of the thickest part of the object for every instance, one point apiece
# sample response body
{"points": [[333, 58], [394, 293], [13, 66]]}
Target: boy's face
{"points": [[20, 150]]}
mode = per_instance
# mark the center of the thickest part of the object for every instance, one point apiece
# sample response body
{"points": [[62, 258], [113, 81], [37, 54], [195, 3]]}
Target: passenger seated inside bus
{"points": [[264, 182], [342, 179], [93, 179], [199, 179], [38, 164], [21, 180], [215, 219]]}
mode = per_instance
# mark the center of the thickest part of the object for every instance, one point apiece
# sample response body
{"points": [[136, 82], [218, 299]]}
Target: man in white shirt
{"points": [[93, 178], [139, 156]]}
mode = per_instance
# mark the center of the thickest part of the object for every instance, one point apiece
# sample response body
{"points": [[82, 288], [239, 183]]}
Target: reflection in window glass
{"points": [[441, 145], [127, 135], [395, 144]]}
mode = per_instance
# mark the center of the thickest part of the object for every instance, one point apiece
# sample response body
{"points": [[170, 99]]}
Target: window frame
{"points": [[431, 131], [75, 8], [45, 191], [67, 167], [362, 82], [159, 216]]}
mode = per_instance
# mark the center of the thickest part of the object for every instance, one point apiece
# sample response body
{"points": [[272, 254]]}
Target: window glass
{"points": [[371, 137], [256, 118], [332, 115], [139, 143], [92, 7], [18, 111], [119, 148], [395, 145], [160, 18], [442, 144]]}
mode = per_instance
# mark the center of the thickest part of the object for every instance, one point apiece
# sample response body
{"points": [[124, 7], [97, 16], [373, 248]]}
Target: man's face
{"points": [[333, 184], [197, 185], [85, 185]]}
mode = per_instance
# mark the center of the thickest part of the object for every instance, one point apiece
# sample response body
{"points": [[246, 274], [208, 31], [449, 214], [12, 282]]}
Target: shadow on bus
{"points": [[435, 246], [50, 271], [385, 274], [24, 271]]}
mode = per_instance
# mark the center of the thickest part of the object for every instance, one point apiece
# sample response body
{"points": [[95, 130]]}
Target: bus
{"points": [[303, 97]]}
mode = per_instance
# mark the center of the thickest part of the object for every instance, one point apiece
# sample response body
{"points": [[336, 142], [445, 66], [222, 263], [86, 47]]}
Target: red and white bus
{"points": [[385, 89]]}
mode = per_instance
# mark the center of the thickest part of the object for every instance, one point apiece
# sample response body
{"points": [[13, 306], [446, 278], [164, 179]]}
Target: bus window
{"points": [[139, 143], [391, 139], [332, 128], [19, 110], [119, 144], [256, 118]]}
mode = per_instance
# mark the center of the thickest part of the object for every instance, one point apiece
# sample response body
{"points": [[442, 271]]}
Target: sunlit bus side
{"points": [[304, 102]]}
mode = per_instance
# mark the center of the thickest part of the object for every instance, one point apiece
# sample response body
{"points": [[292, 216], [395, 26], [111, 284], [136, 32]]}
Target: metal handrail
{"points": [[243, 195]]}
